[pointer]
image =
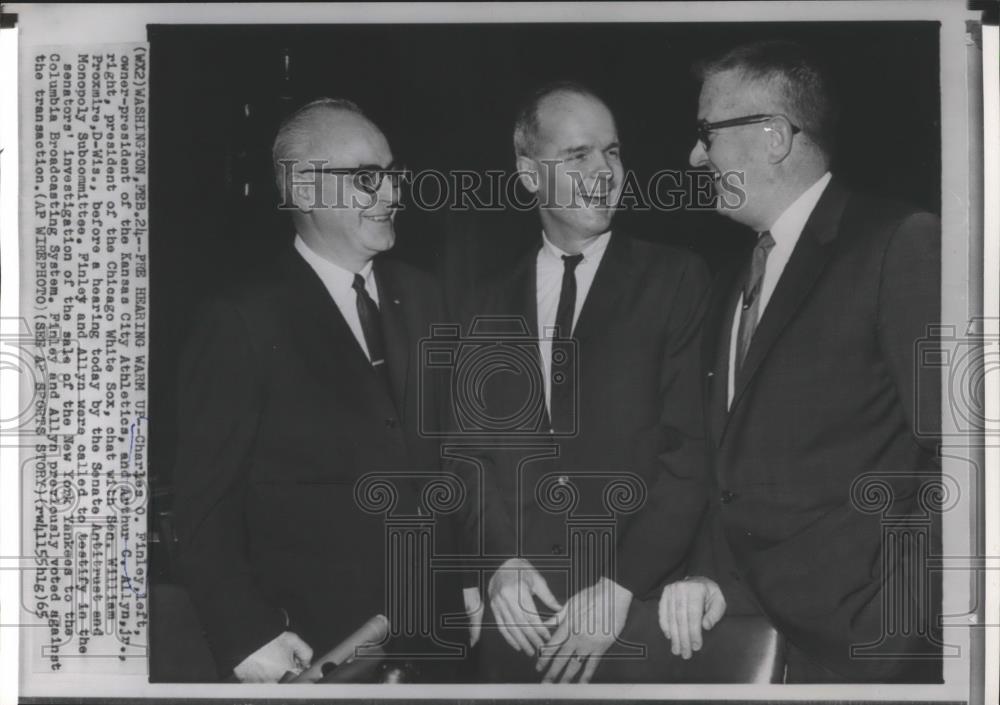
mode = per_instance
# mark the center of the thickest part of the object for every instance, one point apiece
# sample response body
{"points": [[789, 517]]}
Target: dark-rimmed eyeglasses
{"points": [[705, 129], [367, 177]]}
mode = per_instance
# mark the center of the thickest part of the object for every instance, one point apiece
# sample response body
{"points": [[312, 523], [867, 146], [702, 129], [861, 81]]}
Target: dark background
{"points": [[445, 95]]}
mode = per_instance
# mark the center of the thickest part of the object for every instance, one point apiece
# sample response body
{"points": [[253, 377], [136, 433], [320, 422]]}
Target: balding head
{"points": [[301, 135], [320, 155], [527, 123]]}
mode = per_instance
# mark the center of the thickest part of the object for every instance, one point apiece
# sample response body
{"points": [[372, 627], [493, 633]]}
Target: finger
{"points": [[716, 609], [531, 628], [675, 627], [683, 635], [589, 668], [541, 588], [535, 630], [662, 612], [475, 631], [302, 652], [505, 633], [695, 609], [502, 619], [552, 647], [573, 665], [531, 623], [515, 624], [559, 662], [523, 644]]}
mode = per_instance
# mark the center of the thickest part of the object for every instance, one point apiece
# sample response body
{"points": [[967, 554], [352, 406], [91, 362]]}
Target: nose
{"points": [[698, 156], [602, 171], [388, 192]]}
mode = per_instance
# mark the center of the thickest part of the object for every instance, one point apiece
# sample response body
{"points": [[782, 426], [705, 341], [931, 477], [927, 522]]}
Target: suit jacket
{"points": [[634, 368], [280, 414], [822, 431]]}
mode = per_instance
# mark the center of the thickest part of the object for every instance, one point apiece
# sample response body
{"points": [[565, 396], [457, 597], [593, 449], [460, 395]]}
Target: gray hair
{"points": [[802, 84], [296, 130]]}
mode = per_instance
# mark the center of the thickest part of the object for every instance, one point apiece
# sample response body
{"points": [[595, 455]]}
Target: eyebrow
{"points": [[587, 147]]}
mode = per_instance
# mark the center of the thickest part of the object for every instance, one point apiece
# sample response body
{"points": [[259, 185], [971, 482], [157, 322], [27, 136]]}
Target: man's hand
{"points": [[474, 611], [686, 608], [587, 626], [511, 590], [286, 652]]}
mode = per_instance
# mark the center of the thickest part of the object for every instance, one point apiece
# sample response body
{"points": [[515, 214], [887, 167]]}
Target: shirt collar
{"points": [[331, 274], [592, 252], [789, 225]]}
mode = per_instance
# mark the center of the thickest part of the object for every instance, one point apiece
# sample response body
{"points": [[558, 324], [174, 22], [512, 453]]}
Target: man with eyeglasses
{"points": [[813, 392], [290, 391]]}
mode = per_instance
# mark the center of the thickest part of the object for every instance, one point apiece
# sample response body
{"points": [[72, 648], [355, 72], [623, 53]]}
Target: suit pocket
{"points": [[663, 448]]}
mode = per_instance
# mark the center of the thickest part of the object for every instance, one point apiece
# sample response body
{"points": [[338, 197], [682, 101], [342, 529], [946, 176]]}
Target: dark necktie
{"points": [[371, 327], [561, 388], [750, 312]]}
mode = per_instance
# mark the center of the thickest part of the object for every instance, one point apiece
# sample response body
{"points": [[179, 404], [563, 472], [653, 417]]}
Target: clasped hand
{"points": [[286, 652], [584, 628]]}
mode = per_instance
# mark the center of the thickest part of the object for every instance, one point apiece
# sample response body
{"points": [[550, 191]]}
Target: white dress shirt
{"points": [[340, 284], [785, 231], [549, 269]]}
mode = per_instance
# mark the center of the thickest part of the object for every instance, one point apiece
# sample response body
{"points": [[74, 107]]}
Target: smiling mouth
{"points": [[379, 218], [599, 201]]}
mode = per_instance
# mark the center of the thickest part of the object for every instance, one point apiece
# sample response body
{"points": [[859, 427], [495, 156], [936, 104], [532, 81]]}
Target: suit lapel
{"points": [[715, 348], [802, 272], [614, 274], [517, 297], [524, 292], [325, 341], [393, 307]]}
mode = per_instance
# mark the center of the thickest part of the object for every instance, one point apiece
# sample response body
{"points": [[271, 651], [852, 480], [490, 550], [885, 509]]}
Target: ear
{"points": [[527, 172], [305, 196], [779, 139]]}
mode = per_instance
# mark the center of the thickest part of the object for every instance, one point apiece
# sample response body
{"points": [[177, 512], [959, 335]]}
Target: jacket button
{"points": [[390, 423], [726, 497], [557, 549]]}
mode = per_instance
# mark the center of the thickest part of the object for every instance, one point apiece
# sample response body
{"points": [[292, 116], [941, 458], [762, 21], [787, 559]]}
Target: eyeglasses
{"points": [[367, 177], [705, 129]]}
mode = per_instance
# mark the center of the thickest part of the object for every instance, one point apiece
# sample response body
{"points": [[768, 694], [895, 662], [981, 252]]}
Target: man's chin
{"points": [[599, 218], [381, 238], [729, 209]]}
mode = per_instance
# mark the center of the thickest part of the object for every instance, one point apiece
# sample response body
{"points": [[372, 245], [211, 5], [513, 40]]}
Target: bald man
{"points": [[290, 391], [624, 315]]}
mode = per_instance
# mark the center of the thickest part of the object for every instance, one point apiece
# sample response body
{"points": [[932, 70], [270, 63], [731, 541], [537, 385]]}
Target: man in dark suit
{"points": [[608, 386], [291, 390], [814, 392]]}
